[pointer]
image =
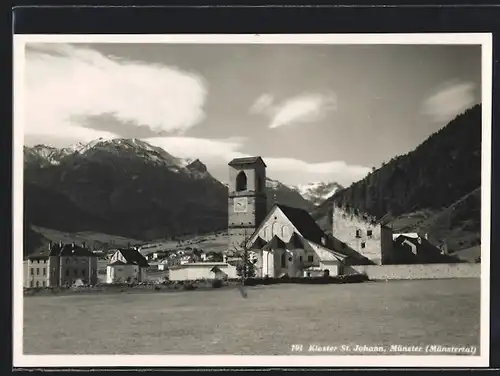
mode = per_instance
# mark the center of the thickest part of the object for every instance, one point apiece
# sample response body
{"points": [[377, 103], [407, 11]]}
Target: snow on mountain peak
{"points": [[117, 146], [317, 192], [270, 183]]}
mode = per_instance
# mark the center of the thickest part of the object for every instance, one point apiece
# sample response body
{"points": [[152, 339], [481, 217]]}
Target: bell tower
{"points": [[247, 201]]}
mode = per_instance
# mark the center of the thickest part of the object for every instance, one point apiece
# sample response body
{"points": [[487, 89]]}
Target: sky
{"points": [[313, 112]]}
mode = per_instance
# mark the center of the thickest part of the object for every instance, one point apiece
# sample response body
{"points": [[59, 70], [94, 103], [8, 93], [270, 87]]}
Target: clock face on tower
{"points": [[240, 204]]}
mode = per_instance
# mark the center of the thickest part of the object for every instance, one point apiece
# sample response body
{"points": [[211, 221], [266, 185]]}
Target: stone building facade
{"points": [[362, 233], [59, 265]]}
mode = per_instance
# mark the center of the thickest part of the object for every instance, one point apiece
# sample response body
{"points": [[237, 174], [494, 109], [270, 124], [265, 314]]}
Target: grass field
{"points": [[265, 322]]}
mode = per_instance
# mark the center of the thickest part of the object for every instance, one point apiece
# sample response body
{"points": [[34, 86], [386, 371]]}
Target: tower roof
{"points": [[246, 161]]}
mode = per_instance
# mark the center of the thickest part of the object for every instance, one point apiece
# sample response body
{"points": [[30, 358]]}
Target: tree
{"points": [[245, 267]]}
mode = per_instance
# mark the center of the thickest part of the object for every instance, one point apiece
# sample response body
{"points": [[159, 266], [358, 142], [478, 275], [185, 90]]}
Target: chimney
{"points": [[60, 243], [50, 245], [84, 245], [426, 236], [73, 244]]}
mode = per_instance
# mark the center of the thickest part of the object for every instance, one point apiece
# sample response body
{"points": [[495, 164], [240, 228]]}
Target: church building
{"points": [[287, 240], [284, 240]]}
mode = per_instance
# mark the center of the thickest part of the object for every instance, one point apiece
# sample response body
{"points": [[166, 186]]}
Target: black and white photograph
{"points": [[263, 200]]}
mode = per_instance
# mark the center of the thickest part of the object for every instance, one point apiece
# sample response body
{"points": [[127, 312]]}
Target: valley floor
{"points": [[265, 322]]}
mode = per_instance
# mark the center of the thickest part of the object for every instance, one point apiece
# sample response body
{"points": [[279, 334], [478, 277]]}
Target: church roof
{"points": [[246, 160], [303, 222], [258, 243], [275, 243], [295, 242]]}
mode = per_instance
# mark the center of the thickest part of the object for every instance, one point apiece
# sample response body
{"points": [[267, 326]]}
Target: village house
{"points": [[126, 265], [60, 264], [163, 264], [419, 250]]}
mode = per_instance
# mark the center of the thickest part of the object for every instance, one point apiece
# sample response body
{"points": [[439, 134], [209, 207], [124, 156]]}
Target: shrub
{"points": [[354, 278], [217, 283], [189, 286]]}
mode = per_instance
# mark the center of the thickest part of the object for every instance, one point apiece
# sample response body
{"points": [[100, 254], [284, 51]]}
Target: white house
{"points": [[126, 265], [163, 265], [185, 260]]}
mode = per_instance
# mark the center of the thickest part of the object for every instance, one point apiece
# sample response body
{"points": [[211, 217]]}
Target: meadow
{"points": [[261, 320]]}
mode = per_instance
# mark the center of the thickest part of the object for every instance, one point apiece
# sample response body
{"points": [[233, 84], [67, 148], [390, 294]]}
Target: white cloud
{"points": [[262, 104], [449, 101], [64, 82], [302, 108], [217, 153]]}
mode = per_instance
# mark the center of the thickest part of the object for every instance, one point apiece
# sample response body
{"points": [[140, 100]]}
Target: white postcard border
{"points": [[22, 360]]}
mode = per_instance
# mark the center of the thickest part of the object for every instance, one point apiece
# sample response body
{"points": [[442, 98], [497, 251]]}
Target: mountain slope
{"points": [[280, 193], [431, 178], [124, 187]]}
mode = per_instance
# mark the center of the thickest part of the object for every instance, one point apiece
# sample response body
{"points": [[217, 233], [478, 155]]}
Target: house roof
{"points": [[303, 222], [75, 250], [275, 243], [59, 249], [42, 253], [117, 262], [404, 238], [246, 160], [133, 256], [217, 270], [295, 242], [343, 248], [258, 243]]}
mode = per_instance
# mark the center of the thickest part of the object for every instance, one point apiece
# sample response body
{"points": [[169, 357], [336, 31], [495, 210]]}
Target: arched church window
{"points": [[241, 182], [276, 229], [265, 232], [285, 232]]}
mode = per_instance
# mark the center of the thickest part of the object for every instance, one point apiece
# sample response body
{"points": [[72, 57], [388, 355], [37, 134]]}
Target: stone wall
{"points": [[417, 271]]}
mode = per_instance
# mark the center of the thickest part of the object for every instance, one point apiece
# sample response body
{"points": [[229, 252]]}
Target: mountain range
{"points": [[130, 188], [318, 192]]}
